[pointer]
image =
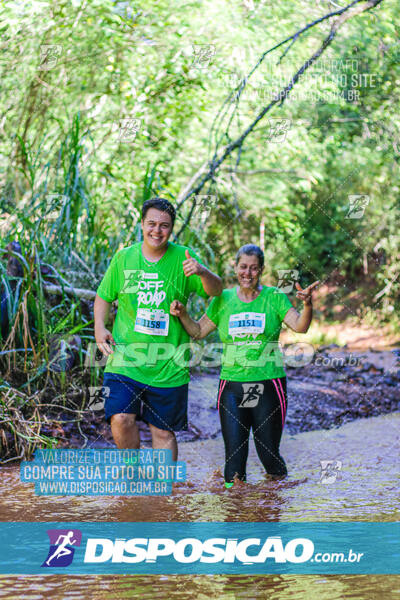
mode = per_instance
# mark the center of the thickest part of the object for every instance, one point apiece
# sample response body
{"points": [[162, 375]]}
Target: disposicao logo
{"points": [[184, 550], [190, 550], [61, 551]]}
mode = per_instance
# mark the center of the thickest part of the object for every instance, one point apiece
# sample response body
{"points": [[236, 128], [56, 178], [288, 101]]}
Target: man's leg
{"points": [[164, 439], [125, 431], [165, 411], [122, 405]]}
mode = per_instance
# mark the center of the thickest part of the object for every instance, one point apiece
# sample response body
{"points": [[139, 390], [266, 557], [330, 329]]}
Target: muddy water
{"points": [[366, 489], [202, 587]]}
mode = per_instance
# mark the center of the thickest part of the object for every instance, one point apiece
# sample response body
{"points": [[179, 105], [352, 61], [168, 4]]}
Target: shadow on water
{"points": [[365, 489]]}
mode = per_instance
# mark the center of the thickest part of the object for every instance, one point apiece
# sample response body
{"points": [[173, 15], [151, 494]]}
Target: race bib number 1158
{"points": [[152, 322]]}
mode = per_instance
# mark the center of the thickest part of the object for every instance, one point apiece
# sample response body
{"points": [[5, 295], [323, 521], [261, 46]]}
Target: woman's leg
{"points": [[268, 419], [235, 426]]}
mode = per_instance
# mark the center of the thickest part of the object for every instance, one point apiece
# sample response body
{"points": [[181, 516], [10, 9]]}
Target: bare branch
{"points": [[259, 171], [343, 15], [81, 293]]}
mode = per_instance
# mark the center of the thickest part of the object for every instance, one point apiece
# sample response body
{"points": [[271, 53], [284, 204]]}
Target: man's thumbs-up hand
{"points": [[191, 266]]}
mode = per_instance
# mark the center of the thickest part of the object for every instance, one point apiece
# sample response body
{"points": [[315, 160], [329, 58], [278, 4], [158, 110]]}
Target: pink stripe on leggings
{"points": [[221, 389], [283, 395], [280, 401]]}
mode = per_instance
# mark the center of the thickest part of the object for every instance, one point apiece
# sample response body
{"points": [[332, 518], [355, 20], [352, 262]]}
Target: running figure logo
{"points": [[97, 396], [278, 129], [287, 279], [203, 53], [357, 205], [330, 471], [60, 551], [132, 278], [252, 392]]}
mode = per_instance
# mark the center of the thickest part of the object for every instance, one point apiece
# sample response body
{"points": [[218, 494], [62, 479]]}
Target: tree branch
{"points": [[343, 15]]}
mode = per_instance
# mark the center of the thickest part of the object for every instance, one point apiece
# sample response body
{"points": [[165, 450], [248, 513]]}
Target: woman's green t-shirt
{"points": [[249, 332]]}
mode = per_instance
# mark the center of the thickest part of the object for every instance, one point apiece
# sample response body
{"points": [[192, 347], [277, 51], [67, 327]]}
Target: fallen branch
{"points": [[71, 291], [343, 15]]}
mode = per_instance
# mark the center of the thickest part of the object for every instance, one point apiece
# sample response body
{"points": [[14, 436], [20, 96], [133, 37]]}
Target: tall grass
{"points": [[63, 233], [63, 242]]}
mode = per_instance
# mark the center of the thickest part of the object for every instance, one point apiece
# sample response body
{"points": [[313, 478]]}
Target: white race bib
{"points": [[246, 323], [151, 322]]}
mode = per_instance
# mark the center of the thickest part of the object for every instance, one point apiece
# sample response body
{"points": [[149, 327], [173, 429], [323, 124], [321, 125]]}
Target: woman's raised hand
{"points": [[306, 294]]}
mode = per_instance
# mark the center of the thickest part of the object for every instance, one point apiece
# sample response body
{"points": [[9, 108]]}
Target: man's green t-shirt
{"points": [[149, 341], [249, 332]]}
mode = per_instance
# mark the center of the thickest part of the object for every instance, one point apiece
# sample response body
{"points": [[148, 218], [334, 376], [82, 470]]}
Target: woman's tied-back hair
{"points": [[251, 250], [160, 204]]}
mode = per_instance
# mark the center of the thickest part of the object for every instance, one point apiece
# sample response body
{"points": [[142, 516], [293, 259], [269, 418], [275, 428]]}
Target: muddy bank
{"points": [[338, 386], [341, 386]]}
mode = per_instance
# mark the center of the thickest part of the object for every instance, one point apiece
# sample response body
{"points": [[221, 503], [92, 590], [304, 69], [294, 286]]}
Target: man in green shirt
{"points": [[145, 374]]}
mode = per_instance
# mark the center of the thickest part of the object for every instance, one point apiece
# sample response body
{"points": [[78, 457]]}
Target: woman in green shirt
{"points": [[252, 388]]}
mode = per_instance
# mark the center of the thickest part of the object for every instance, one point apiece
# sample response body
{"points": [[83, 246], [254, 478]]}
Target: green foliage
{"points": [[105, 103], [63, 117]]}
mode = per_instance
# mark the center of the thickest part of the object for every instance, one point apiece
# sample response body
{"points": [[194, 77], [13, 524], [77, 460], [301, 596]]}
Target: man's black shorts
{"points": [[165, 408]]}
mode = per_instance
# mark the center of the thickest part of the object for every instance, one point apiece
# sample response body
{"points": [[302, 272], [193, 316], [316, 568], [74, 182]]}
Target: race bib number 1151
{"points": [[246, 323]]}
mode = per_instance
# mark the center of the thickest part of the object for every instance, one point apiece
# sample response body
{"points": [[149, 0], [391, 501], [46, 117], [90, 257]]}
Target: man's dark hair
{"points": [[251, 250], [160, 204]]}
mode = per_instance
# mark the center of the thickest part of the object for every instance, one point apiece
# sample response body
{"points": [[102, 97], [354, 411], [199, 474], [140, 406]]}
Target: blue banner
{"points": [[200, 548]]}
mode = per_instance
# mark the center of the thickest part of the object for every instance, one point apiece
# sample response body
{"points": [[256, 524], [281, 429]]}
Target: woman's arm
{"points": [[301, 322], [196, 329]]}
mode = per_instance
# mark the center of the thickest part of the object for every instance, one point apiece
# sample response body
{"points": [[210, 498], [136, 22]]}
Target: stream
{"points": [[366, 488]]}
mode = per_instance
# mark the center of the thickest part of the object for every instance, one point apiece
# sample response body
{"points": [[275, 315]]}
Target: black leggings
{"points": [[259, 405]]}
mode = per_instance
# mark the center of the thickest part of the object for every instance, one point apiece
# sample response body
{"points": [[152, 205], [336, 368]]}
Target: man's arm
{"points": [[103, 336], [212, 284], [196, 329]]}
